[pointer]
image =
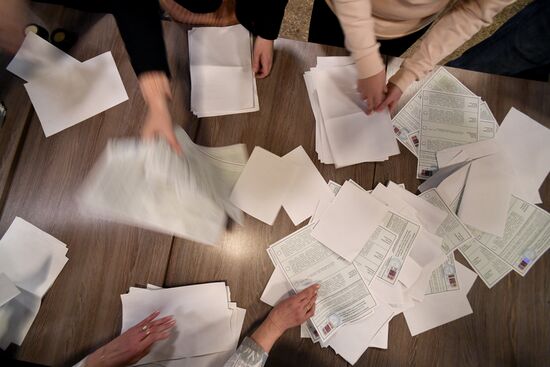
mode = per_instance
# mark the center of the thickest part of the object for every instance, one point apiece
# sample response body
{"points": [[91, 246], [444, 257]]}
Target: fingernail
{"points": [[317, 286]]}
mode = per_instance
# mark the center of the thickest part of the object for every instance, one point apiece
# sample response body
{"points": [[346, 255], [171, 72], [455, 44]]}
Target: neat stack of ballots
{"points": [[222, 79], [30, 261], [344, 134], [208, 324]]}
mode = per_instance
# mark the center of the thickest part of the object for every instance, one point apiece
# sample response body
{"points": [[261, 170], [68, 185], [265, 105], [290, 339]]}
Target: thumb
{"points": [[256, 63]]}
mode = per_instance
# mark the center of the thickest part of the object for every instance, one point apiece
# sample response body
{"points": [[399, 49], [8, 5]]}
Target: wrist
{"points": [[267, 334]]}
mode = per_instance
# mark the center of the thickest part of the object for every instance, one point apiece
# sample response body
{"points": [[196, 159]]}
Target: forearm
{"points": [[356, 19], [449, 33], [155, 88], [267, 334]]}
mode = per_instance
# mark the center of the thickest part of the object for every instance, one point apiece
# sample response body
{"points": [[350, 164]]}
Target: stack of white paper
{"points": [[30, 261], [344, 134], [208, 324], [222, 80], [147, 184], [63, 90], [405, 263], [269, 182]]}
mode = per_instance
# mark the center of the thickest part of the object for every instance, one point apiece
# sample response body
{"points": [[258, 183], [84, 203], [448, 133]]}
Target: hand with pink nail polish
{"points": [[134, 344]]}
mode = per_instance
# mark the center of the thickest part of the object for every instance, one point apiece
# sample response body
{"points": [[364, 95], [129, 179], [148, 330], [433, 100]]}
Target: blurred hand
{"points": [[158, 124], [155, 88], [14, 18], [372, 90], [132, 345], [262, 60], [392, 97]]}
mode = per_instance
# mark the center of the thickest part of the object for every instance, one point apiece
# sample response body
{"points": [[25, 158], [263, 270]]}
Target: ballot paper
{"points": [[353, 340], [345, 135], [307, 189], [447, 119], [444, 278], [37, 58], [526, 144], [276, 289], [222, 79], [490, 268], [349, 221], [441, 308], [8, 290], [468, 152], [75, 93], [30, 260], [452, 230], [343, 297], [375, 252], [147, 184], [526, 238], [206, 321]]}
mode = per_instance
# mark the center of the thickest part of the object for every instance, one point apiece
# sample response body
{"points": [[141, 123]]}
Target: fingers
{"points": [[265, 67], [308, 293], [373, 102], [384, 103], [256, 62], [310, 312], [173, 142], [148, 319]]}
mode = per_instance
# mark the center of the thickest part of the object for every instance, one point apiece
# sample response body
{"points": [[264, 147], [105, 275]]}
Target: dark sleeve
{"points": [[141, 30], [262, 18]]}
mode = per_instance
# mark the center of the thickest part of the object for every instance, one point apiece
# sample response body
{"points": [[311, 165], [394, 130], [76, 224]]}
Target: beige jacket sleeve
{"points": [[356, 19], [449, 33]]}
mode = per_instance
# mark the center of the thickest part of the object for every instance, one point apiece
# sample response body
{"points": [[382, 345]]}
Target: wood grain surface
{"points": [[510, 325]]}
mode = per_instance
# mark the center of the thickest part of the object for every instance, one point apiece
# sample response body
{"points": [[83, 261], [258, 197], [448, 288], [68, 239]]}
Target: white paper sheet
{"points": [[37, 57], [438, 309], [487, 193], [353, 340], [276, 289], [76, 93], [203, 319], [307, 189], [222, 80], [16, 318], [30, 257], [263, 185], [527, 146], [8, 290], [349, 221]]}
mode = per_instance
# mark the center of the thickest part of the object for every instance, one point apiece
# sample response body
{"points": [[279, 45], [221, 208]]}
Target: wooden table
{"points": [[510, 325]]}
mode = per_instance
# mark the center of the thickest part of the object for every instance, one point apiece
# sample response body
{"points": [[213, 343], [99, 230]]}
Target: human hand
{"points": [[158, 123], [372, 90], [134, 344], [262, 60], [13, 14], [392, 97], [291, 312]]}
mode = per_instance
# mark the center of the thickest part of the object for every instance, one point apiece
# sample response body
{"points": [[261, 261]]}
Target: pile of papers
{"points": [[375, 254], [443, 113], [511, 232], [344, 134], [269, 182], [222, 79], [30, 261], [208, 324], [63, 90], [147, 184]]}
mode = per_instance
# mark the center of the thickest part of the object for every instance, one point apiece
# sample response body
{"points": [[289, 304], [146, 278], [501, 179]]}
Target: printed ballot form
{"points": [[343, 298], [444, 278], [526, 238], [374, 253], [448, 119], [490, 268], [452, 230]]}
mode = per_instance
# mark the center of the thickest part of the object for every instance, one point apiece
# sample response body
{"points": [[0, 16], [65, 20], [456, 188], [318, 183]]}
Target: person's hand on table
{"points": [[372, 90], [289, 313], [262, 59], [155, 88], [392, 97], [134, 344]]}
